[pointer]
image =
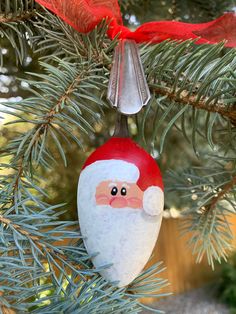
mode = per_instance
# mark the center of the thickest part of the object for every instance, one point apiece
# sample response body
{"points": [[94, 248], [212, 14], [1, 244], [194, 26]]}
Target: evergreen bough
{"points": [[44, 267]]}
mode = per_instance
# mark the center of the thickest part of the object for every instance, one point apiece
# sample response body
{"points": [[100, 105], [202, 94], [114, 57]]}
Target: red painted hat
{"points": [[127, 150]]}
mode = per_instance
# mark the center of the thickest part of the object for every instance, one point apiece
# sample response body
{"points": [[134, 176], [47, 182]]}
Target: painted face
{"points": [[119, 194]]}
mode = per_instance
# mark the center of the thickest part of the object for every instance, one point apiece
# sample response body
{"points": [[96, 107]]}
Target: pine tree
{"points": [[44, 267]]}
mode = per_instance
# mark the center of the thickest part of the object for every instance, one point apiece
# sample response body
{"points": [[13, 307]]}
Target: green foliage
{"points": [[188, 78], [227, 286], [54, 113], [44, 265], [209, 194], [16, 27]]}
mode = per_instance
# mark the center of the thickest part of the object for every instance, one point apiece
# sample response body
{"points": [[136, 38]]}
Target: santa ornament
{"points": [[120, 206], [120, 190]]}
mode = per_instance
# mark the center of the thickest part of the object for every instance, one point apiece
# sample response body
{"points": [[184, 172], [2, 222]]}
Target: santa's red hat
{"points": [[126, 150]]}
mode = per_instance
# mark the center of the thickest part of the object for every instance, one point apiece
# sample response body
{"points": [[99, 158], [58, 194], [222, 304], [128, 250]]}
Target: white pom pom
{"points": [[153, 201]]}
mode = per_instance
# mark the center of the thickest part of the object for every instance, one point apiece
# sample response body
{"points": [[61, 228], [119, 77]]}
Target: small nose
{"points": [[118, 202]]}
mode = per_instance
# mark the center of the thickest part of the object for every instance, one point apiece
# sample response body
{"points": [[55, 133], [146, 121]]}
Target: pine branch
{"points": [[185, 73], [181, 74], [225, 189], [47, 248], [61, 40], [25, 16], [41, 128], [210, 195], [60, 110], [184, 99], [98, 297], [8, 222], [18, 175], [31, 236], [17, 7], [63, 98], [17, 28]]}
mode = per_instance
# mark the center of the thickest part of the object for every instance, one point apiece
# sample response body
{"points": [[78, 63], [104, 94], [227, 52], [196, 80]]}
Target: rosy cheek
{"points": [[135, 202], [102, 199]]}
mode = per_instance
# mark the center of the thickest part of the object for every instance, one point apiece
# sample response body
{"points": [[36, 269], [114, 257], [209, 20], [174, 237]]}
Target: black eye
{"points": [[114, 190], [123, 191]]}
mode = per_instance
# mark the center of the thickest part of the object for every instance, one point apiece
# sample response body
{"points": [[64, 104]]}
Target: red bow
{"points": [[84, 15]]}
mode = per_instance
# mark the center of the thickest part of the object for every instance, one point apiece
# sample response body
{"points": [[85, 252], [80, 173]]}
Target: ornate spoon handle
{"points": [[128, 89]]}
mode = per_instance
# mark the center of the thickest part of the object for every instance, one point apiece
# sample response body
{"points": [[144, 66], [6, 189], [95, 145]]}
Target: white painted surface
{"points": [[124, 237], [153, 201]]}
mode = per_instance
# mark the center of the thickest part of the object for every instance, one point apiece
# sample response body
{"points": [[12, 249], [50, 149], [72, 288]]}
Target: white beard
{"points": [[124, 237]]}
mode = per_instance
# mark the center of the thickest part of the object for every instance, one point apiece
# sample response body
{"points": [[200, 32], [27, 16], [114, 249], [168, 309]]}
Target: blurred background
{"points": [[61, 183]]}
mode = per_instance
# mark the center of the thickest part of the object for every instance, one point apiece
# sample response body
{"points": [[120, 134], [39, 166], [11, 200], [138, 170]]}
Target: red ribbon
{"points": [[84, 15]]}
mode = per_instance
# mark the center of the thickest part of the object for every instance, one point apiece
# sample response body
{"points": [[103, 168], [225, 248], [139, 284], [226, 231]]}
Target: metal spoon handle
{"points": [[128, 89]]}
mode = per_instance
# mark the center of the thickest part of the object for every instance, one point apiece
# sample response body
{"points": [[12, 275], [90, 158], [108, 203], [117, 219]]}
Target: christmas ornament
{"points": [[120, 190], [84, 15], [120, 205]]}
